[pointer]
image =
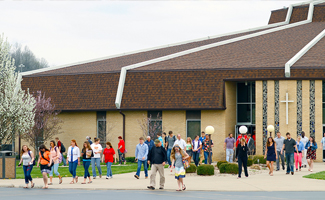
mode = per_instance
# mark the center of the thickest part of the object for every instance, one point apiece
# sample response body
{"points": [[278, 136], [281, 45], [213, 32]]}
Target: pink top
{"points": [[55, 155]]}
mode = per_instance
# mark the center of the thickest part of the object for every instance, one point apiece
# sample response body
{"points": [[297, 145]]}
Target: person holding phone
{"points": [[27, 158], [86, 153]]}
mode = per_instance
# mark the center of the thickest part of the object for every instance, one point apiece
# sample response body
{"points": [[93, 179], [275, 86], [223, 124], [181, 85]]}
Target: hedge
{"points": [[205, 170], [130, 159], [249, 162], [221, 162], [229, 168], [260, 158], [191, 169]]}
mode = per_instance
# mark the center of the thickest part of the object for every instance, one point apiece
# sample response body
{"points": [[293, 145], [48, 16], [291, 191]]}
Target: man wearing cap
{"points": [[157, 157], [141, 153], [89, 140]]}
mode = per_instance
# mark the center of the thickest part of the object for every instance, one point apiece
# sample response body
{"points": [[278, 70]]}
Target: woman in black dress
{"points": [[270, 154], [241, 154]]}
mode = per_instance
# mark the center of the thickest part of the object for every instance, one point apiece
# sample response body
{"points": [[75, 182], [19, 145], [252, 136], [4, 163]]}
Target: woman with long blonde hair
{"points": [[177, 156], [73, 159], [189, 149], [27, 158], [86, 153]]}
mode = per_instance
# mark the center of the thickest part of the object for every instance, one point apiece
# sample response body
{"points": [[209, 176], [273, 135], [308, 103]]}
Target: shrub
{"points": [[191, 169], [229, 168], [205, 170], [260, 158], [249, 162], [130, 159], [221, 162]]}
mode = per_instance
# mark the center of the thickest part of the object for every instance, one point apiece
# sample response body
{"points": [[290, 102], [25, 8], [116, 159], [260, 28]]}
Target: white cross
{"points": [[287, 107]]}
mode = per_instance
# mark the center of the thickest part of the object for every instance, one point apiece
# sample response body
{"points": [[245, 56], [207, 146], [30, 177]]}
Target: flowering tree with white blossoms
{"points": [[16, 105]]}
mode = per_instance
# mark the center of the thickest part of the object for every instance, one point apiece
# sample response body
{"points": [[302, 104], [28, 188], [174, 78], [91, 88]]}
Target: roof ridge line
{"points": [[153, 48], [124, 69]]}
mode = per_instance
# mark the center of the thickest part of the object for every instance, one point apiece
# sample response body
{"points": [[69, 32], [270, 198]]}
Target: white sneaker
{"points": [[110, 177], [107, 177]]}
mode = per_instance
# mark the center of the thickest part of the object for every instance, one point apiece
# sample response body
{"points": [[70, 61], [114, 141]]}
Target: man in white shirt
{"points": [[97, 149], [304, 140], [181, 143]]}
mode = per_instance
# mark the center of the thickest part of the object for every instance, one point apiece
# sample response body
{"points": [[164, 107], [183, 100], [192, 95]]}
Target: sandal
{"points": [[25, 187], [45, 187], [50, 184], [72, 182], [184, 187], [83, 183], [178, 190], [90, 182], [60, 180], [32, 186]]}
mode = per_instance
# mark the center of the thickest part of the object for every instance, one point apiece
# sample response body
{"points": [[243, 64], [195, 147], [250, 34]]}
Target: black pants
{"points": [[323, 155], [242, 162]]}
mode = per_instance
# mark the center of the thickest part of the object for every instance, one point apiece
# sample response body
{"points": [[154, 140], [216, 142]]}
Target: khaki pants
{"points": [[160, 169], [201, 156]]}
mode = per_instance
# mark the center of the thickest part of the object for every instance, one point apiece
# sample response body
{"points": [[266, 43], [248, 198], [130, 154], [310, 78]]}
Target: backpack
{"points": [[31, 158], [60, 156], [62, 147], [174, 137]]}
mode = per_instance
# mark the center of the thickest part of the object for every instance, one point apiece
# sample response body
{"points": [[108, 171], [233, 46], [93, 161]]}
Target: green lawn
{"points": [[318, 175], [64, 171]]}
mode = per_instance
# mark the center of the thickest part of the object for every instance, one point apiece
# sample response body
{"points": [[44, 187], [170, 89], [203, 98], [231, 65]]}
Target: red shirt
{"points": [[121, 143], [59, 145], [109, 155], [239, 137]]}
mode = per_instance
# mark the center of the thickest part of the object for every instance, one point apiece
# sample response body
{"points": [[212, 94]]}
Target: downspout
{"points": [[123, 124]]}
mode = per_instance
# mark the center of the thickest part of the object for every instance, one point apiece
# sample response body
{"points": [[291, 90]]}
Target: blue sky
{"points": [[67, 32]]}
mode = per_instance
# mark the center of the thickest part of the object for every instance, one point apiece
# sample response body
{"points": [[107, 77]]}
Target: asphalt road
{"points": [[55, 194]]}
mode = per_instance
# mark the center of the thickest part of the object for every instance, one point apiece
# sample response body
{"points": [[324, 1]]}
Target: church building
{"points": [[269, 75]]}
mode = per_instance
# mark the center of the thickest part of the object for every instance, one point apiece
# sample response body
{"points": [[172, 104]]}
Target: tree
{"points": [[47, 123], [16, 105], [150, 127], [25, 59]]}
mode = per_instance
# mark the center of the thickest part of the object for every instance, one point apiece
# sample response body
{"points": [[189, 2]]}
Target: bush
{"points": [[221, 162], [249, 162], [229, 168], [130, 159], [205, 170], [191, 169], [260, 158]]}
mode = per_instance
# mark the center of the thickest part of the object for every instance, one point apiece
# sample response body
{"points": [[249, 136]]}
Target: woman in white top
{"points": [[97, 149], [27, 158], [55, 154], [304, 140], [73, 158]]}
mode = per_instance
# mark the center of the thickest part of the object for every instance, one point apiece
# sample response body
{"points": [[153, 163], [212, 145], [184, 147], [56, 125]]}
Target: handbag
{"points": [[186, 164]]}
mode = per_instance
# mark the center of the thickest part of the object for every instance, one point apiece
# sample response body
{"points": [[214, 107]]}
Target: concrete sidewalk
{"points": [[257, 182]]}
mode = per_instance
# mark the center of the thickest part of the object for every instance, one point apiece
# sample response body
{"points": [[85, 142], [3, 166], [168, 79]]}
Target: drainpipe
{"points": [[123, 124]]}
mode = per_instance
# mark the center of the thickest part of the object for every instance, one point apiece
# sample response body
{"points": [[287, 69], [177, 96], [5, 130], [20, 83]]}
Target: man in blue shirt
{"points": [[141, 154], [149, 142], [202, 138]]}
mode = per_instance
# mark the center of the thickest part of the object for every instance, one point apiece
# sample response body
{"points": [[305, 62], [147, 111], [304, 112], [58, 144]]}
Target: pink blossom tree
{"points": [[47, 123]]}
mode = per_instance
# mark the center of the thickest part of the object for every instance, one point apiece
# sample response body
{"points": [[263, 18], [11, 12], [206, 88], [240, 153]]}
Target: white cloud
{"points": [[67, 32]]}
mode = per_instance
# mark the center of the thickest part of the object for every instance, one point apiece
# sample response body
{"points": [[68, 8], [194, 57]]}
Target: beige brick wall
{"points": [[174, 121], [230, 112], [259, 116], [114, 121], [319, 118], [215, 118]]}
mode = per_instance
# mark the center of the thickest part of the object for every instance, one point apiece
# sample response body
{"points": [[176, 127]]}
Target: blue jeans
{"points": [[109, 169], [145, 166], [27, 171], [196, 157], [64, 161], [73, 168], [290, 160], [229, 155], [121, 158], [206, 157], [97, 161], [86, 165], [55, 168], [168, 156]]}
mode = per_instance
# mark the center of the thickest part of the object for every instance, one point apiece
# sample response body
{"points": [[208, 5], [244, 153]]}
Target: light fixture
{"points": [[243, 129]]}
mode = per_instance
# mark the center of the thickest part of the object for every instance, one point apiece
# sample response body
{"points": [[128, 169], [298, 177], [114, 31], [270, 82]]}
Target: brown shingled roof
{"points": [[115, 64], [271, 50]]}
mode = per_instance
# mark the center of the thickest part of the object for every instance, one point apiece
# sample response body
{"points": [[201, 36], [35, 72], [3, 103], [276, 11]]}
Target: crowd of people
{"points": [[170, 149]]}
